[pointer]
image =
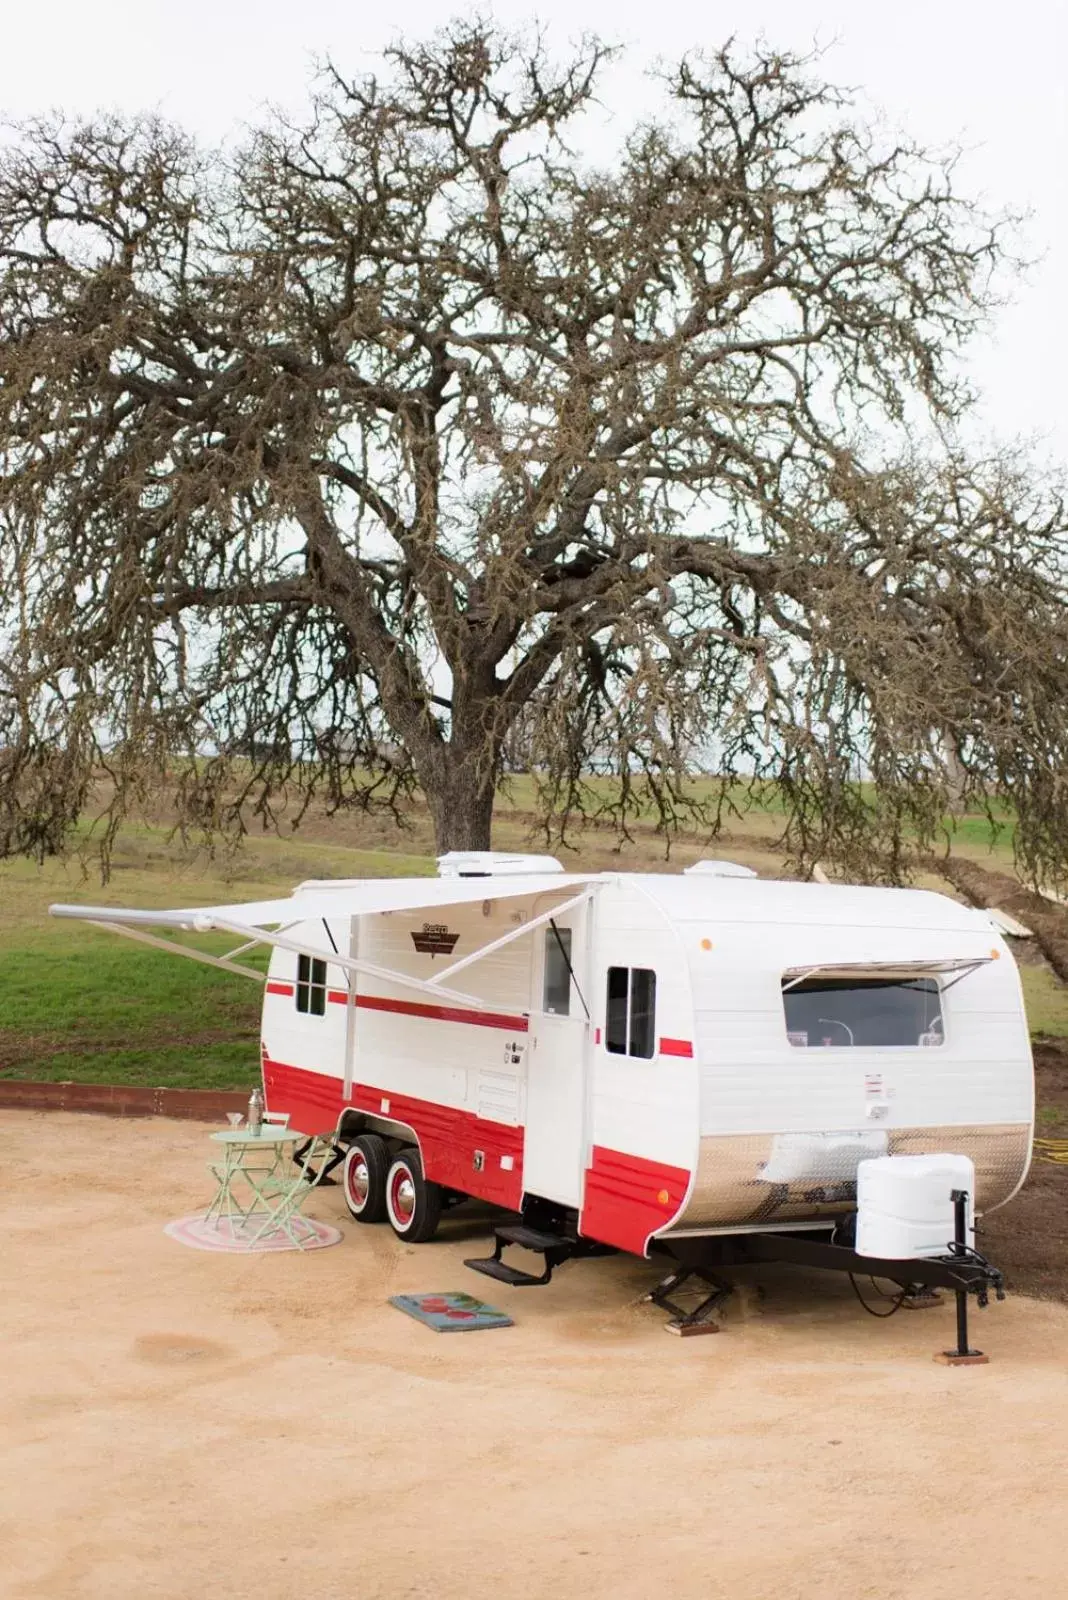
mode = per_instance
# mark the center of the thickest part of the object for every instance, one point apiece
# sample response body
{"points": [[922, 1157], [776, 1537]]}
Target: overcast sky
{"points": [[991, 76]]}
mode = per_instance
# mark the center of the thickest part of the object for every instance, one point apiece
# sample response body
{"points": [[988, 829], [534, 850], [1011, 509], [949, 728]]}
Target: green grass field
{"points": [[80, 1004], [76, 1003]]}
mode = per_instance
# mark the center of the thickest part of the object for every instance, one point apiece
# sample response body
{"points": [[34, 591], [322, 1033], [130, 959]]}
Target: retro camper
{"points": [[630, 1060]]}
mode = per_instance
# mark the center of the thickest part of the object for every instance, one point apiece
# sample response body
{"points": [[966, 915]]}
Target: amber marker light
{"points": [[706, 944], [995, 955], [663, 1197]]}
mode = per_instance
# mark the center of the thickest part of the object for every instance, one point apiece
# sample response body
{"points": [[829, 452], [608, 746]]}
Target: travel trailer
{"points": [[639, 1061]]}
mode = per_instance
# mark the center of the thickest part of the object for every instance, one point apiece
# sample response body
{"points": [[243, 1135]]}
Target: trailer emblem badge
{"points": [[434, 939]]}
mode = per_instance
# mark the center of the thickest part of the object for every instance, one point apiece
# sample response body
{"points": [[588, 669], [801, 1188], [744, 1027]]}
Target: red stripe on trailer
{"points": [[415, 1008], [450, 1139], [628, 1198], [676, 1047], [314, 1100]]}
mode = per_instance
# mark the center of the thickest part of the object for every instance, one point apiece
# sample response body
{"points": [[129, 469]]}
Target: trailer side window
{"points": [[841, 1013], [630, 1012], [615, 1022], [311, 985], [556, 989]]}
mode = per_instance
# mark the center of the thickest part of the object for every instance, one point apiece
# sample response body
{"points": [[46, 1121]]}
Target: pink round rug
{"points": [[236, 1236]]}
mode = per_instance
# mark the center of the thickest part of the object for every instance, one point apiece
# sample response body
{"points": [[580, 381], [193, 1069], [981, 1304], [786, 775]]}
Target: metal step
{"points": [[531, 1238], [493, 1267]]}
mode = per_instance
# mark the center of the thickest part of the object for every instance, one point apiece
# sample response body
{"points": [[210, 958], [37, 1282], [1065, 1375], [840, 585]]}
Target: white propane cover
{"points": [[904, 1209]]}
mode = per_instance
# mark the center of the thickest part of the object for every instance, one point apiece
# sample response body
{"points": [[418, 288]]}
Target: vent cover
{"points": [[718, 869], [493, 864]]}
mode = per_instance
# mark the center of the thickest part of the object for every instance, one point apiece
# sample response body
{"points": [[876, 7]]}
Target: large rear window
{"points": [[846, 1013]]}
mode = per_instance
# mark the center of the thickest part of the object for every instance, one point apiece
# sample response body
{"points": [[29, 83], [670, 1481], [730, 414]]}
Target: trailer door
{"points": [[555, 1140]]}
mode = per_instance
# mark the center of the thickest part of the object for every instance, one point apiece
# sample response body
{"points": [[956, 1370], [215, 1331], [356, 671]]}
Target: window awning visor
{"points": [[956, 967], [270, 921]]}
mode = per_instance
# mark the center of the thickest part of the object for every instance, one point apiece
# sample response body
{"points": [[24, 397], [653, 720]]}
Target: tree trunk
{"points": [[461, 803]]}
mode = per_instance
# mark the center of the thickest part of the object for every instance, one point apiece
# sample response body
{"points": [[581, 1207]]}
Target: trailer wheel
{"points": [[413, 1204], [364, 1178]]}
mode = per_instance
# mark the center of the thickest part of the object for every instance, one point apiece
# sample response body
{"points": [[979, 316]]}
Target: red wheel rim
{"points": [[402, 1196], [357, 1180]]}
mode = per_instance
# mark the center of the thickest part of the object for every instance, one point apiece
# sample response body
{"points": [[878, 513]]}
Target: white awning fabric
{"points": [[353, 897], [267, 921]]}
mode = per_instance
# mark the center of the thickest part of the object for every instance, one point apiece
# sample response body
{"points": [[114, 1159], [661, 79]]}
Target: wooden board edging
{"points": [[121, 1099]]}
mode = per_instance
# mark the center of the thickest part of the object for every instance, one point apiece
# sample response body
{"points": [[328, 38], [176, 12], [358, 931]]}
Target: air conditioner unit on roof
{"points": [[493, 864], [718, 869]]}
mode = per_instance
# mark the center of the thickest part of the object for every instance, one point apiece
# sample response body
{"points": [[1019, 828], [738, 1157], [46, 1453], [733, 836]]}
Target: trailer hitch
{"points": [[962, 1269]]}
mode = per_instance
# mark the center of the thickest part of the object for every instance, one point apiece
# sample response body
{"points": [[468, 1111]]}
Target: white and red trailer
{"points": [[630, 1060]]}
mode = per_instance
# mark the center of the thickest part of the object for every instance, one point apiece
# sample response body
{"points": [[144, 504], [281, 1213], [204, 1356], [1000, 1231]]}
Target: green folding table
{"points": [[257, 1185]]}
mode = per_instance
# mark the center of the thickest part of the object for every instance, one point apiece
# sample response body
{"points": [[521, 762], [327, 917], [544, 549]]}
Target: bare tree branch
{"points": [[400, 443]]}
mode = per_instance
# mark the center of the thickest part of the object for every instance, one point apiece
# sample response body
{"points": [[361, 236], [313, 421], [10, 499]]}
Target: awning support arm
{"points": [[507, 938], [182, 949], [967, 972], [238, 950], [801, 978]]}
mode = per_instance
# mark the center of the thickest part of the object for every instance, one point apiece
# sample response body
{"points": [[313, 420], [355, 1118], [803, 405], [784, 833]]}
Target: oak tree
{"points": [[407, 441]]}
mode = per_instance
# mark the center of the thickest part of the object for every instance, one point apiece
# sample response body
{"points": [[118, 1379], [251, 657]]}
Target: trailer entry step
{"points": [[529, 1238], [494, 1267], [552, 1246]]}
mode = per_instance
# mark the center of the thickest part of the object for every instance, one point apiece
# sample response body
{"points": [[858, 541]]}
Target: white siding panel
{"points": [[298, 1039], [753, 1081], [453, 1063]]}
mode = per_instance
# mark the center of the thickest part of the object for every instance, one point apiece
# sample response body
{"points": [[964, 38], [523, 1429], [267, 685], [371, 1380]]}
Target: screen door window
{"points": [[556, 995]]}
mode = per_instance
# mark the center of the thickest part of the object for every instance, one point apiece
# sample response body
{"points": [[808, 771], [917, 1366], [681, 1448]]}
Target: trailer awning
{"points": [[352, 897], [267, 921]]}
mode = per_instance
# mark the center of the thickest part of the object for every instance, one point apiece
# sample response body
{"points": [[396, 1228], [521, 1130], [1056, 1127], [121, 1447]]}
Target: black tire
{"points": [[413, 1204], [363, 1178]]}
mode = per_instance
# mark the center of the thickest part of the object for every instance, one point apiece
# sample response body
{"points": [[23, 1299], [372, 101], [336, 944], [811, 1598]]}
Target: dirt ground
{"points": [[1029, 1237], [178, 1424]]}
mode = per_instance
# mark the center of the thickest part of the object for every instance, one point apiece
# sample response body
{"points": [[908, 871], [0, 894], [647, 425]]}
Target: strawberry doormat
{"points": [[450, 1313]]}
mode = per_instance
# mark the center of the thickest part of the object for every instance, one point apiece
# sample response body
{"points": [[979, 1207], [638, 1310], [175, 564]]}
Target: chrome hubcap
{"points": [[403, 1197], [359, 1181]]}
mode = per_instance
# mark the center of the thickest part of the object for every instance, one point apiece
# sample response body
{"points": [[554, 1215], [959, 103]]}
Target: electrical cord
{"points": [[898, 1300]]}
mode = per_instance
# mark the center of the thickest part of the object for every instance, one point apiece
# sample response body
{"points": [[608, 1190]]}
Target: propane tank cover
{"points": [[905, 1205]]}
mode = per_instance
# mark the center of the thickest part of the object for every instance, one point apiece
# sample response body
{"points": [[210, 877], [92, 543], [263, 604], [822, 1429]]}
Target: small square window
{"points": [[311, 985], [630, 1012], [642, 1012], [615, 1031]]}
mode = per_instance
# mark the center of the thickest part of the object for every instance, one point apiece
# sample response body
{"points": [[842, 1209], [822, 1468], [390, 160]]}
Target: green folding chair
{"points": [[282, 1195]]}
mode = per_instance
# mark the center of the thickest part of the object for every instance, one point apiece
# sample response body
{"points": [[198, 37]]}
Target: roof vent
{"points": [[718, 869], [493, 864]]}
